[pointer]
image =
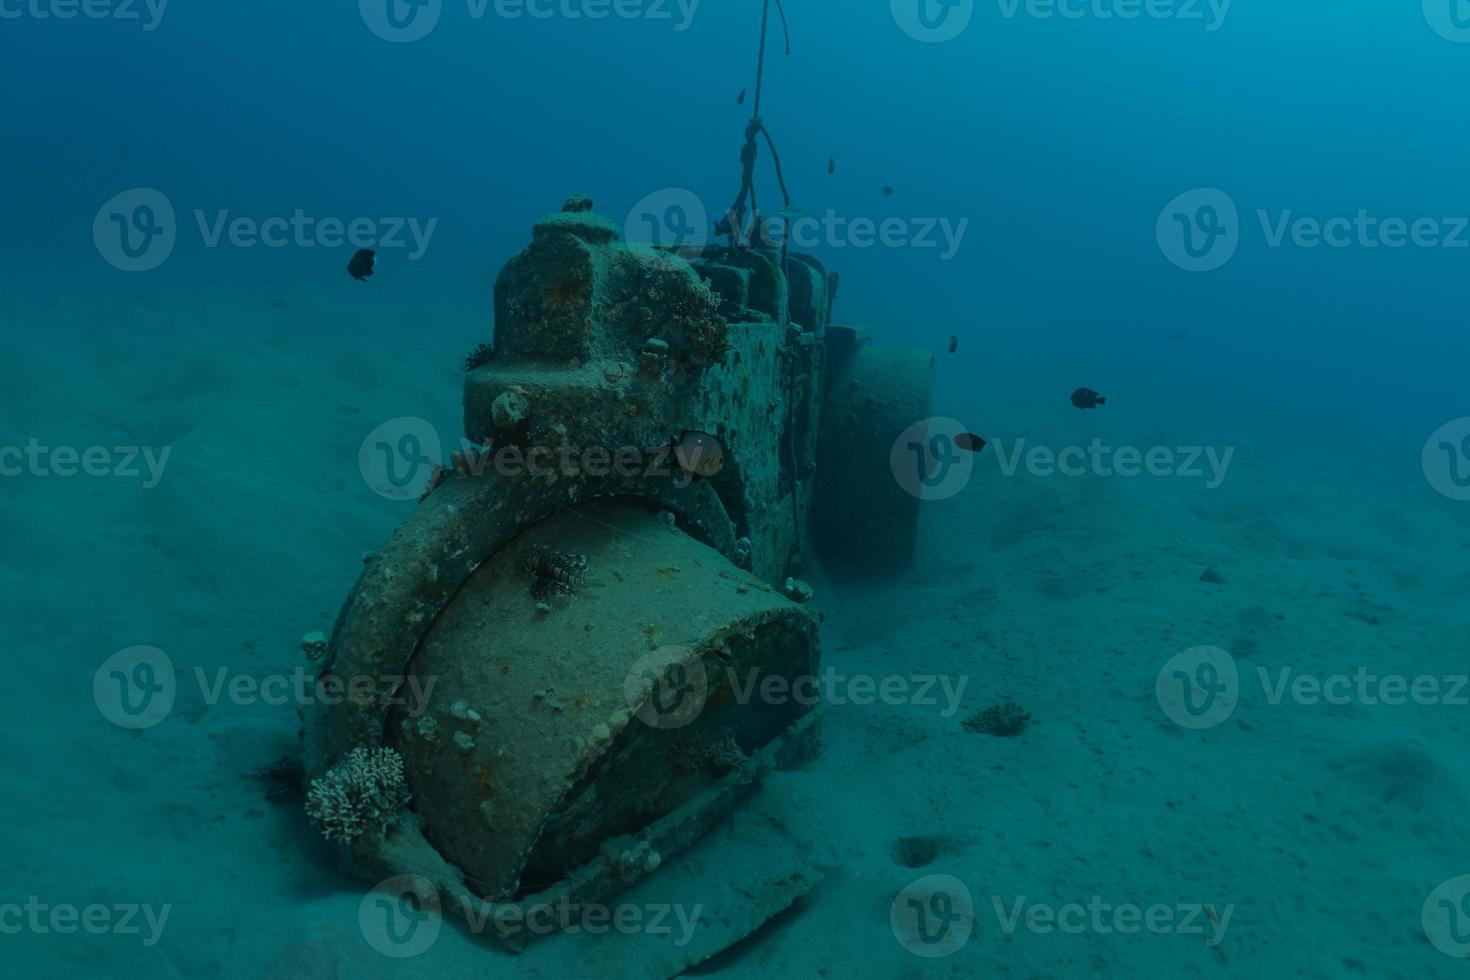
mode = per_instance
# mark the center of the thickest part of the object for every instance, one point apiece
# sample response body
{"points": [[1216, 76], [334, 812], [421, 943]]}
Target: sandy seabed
{"points": [[1298, 837]]}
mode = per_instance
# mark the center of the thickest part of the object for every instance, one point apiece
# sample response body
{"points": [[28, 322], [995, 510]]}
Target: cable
{"points": [[745, 202], [733, 224]]}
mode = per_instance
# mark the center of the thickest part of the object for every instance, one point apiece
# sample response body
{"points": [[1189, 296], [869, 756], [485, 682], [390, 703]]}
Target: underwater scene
{"points": [[735, 488]]}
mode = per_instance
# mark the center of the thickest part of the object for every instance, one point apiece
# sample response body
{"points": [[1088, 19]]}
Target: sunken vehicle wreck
{"points": [[589, 624]]}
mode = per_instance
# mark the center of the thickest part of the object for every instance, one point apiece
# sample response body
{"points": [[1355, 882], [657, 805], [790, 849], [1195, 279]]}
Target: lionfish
{"points": [[553, 572]]}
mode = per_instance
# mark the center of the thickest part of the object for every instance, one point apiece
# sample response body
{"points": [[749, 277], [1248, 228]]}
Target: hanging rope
{"points": [[760, 71], [734, 221]]}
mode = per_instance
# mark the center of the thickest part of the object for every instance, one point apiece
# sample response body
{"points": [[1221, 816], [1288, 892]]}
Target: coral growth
{"points": [[1005, 720], [696, 322], [660, 300], [360, 795], [436, 477], [697, 752], [282, 780], [482, 354], [314, 646]]}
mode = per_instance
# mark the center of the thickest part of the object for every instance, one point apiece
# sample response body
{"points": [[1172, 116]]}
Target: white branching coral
{"points": [[360, 795]]}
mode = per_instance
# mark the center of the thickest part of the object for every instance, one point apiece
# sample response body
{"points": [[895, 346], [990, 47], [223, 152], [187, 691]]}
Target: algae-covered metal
{"points": [[603, 597]]}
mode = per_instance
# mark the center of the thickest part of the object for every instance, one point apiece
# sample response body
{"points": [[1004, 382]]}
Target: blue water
{"points": [[1076, 160]]}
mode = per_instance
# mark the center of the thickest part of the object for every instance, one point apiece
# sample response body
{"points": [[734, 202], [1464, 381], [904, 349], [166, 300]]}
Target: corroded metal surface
{"points": [[541, 743], [537, 771], [864, 518]]}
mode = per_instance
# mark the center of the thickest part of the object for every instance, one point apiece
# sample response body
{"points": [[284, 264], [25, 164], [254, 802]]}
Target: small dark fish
{"points": [[954, 343], [361, 266], [1087, 398], [832, 164], [969, 442], [887, 191], [741, 100], [1180, 335]]}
